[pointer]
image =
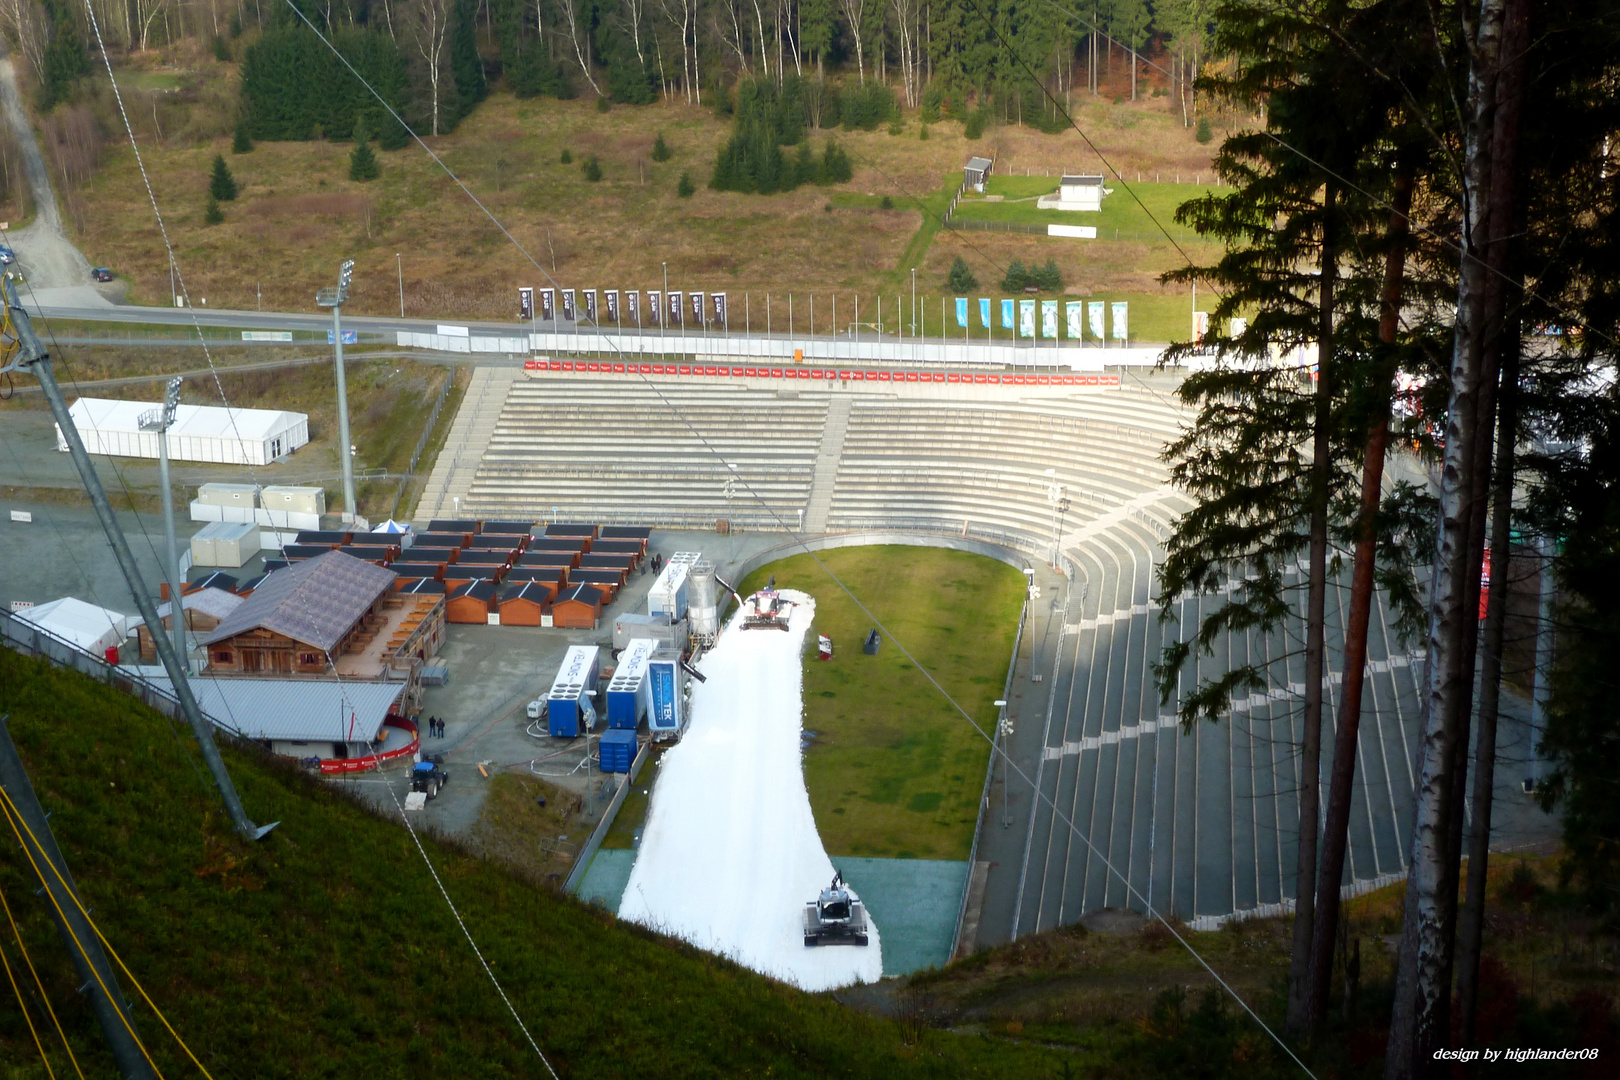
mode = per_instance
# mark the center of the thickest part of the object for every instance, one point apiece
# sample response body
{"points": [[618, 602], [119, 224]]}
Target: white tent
{"points": [[86, 626], [200, 432], [397, 529]]}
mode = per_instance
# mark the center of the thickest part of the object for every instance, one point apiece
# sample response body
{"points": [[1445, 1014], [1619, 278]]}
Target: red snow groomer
{"points": [[767, 610]]}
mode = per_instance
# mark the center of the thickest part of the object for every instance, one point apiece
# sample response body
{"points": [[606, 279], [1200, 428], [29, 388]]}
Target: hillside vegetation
{"points": [[326, 950]]}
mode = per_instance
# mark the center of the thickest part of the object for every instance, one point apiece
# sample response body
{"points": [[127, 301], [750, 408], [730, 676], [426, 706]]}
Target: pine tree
{"points": [[212, 214], [592, 169], [962, 280], [362, 161], [466, 67], [660, 149], [685, 188], [221, 185], [240, 143]]}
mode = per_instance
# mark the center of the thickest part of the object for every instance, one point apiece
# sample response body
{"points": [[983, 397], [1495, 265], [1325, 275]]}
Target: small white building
{"points": [[205, 433], [1075, 193], [85, 626], [976, 172]]}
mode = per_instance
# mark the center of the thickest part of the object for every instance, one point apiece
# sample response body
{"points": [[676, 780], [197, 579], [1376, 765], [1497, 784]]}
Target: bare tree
{"points": [[429, 23], [580, 50], [23, 23], [905, 18], [855, 13]]}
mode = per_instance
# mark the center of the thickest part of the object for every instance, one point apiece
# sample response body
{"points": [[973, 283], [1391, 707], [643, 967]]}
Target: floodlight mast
{"points": [[160, 421], [36, 360], [334, 298]]}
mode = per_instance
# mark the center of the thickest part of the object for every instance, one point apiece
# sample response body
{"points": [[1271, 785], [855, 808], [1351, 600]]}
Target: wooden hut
{"points": [[577, 607], [471, 603], [523, 604]]}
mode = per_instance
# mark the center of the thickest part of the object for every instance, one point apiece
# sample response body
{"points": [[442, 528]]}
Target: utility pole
{"points": [[21, 808], [334, 298], [36, 360], [399, 265], [160, 421]]}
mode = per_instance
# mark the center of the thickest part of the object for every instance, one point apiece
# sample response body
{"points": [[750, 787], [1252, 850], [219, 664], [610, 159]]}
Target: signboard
{"points": [[1094, 309], [675, 316], [590, 304], [610, 299], [1076, 312], [548, 304], [1121, 321], [350, 337], [984, 313], [1026, 318], [23, 516], [526, 304], [665, 712], [267, 335], [1075, 232], [1006, 314], [1049, 323], [568, 305], [720, 310], [632, 309], [697, 308], [655, 307]]}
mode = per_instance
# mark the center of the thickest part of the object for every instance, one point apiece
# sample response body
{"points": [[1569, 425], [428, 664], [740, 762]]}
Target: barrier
{"points": [[536, 368]]}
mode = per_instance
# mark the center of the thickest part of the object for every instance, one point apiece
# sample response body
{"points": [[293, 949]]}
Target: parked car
{"points": [[101, 273], [7, 256]]}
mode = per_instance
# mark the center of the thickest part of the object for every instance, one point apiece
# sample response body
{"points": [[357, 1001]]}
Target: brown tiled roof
{"points": [[316, 601]]}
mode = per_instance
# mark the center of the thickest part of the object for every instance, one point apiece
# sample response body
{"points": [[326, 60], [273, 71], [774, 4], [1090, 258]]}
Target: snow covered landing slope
{"points": [[730, 852]]}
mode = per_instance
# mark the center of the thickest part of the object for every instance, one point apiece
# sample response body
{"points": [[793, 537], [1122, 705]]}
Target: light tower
{"points": [[160, 421], [334, 298]]}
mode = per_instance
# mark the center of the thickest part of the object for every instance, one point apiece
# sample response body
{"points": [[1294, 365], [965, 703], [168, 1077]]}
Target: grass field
{"points": [[326, 950], [893, 770], [299, 215]]}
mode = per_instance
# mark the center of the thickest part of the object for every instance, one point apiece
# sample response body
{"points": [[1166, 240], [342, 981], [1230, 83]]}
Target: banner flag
{"points": [[1076, 311], [1094, 308], [568, 305], [525, 304], [610, 297], [655, 308], [590, 304], [1049, 323], [961, 312], [1121, 326], [675, 316], [1026, 318], [697, 308], [720, 309], [984, 313], [632, 309], [548, 304], [1006, 314]]}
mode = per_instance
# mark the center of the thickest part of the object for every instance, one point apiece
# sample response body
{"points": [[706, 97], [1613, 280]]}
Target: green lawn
{"points": [[1122, 217], [893, 770], [327, 950]]}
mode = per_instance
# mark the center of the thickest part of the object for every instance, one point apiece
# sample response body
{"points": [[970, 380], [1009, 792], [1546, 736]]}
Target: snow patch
{"points": [[730, 853]]}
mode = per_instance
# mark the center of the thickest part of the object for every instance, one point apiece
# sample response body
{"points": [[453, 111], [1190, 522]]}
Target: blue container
{"points": [[666, 713], [617, 750], [628, 692], [569, 709]]}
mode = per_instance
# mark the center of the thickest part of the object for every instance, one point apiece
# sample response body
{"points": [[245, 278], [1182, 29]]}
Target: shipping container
{"points": [[629, 626], [570, 707], [228, 495], [224, 543], [294, 499], [668, 594], [616, 753], [666, 708], [628, 692]]}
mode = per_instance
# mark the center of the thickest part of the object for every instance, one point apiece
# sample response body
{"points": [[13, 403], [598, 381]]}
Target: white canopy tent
{"points": [[200, 432], [85, 626]]}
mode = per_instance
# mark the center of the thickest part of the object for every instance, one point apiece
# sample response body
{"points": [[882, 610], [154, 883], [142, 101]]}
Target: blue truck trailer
{"points": [[628, 692], [570, 708]]}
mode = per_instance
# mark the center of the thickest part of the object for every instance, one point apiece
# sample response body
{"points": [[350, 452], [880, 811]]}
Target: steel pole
{"points": [[89, 962], [343, 413], [177, 615], [39, 362]]}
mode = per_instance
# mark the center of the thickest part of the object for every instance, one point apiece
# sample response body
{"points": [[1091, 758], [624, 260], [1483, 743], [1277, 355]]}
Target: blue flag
{"points": [[984, 313], [1006, 314], [961, 311]]}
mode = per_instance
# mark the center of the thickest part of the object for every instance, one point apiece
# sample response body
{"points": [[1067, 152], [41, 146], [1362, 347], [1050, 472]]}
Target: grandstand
{"points": [[1202, 823]]}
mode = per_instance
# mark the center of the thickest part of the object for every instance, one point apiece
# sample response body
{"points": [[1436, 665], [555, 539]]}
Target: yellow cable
{"points": [[14, 819], [15, 989], [43, 996]]}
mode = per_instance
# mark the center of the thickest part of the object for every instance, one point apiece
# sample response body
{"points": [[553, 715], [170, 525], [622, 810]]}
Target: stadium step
{"points": [[826, 474]]}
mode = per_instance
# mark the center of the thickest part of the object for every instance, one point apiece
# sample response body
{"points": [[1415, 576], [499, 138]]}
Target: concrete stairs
{"points": [[826, 474], [469, 437]]}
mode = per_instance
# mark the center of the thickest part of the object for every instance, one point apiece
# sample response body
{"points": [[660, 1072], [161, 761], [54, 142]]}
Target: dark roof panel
{"points": [[315, 601]]}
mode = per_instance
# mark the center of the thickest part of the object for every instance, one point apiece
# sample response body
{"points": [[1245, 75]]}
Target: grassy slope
{"points": [[894, 770], [327, 951], [298, 214]]}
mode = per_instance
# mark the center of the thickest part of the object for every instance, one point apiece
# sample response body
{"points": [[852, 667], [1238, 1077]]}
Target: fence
{"points": [[422, 440], [22, 636]]}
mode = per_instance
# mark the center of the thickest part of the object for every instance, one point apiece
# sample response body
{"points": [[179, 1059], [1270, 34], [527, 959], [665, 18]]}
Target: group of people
{"points": [[435, 727]]}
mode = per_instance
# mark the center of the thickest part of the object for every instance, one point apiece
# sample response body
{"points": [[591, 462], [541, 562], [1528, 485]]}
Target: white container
{"points": [[224, 543], [242, 495], [298, 500]]}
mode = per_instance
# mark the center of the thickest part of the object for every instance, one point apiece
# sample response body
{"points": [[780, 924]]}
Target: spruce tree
{"points": [[466, 67], [362, 160], [592, 169], [660, 149], [685, 188], [240, 143], [212, 214], [221, 185], [962, 279]]}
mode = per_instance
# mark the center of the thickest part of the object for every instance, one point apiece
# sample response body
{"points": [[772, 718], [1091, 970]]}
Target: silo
{"points": [[702, 603]]}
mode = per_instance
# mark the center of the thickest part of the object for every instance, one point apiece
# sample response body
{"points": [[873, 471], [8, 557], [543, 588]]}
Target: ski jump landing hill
{"points": [[1201, 825], [730, 852]]}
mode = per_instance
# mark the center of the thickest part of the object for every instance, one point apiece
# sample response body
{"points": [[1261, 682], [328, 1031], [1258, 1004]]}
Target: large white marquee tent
{"points": [[200, 432]]}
